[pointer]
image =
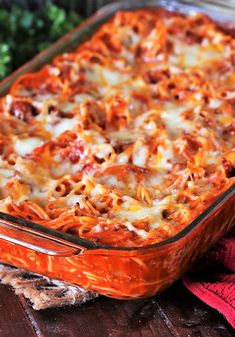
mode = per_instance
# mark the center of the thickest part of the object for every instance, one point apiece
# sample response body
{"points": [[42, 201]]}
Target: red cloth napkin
{"points": [[212, 279]]}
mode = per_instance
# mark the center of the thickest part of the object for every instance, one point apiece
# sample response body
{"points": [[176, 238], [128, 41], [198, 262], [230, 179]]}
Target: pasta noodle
{"points": [[128, 138]]}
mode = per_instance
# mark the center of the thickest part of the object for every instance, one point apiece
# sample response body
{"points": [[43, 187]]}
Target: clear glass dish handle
{"points": [[37, 241]]}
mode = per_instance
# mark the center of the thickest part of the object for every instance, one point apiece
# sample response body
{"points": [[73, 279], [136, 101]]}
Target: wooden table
{"points": [[176, 312]]}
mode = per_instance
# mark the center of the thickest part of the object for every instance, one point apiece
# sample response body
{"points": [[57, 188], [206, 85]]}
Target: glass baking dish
{"points": [[124, 273]]}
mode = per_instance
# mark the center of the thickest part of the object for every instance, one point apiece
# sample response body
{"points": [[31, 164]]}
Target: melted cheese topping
{"points": [[174, 120], [127, 139], [27, 145], [195, 55]]}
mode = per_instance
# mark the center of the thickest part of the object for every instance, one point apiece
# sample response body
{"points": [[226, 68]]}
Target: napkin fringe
{"points": [[41, 291]]}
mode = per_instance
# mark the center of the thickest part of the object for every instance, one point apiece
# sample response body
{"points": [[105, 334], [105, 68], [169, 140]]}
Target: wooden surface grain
{"points": [[14, 321], [175, 312]]}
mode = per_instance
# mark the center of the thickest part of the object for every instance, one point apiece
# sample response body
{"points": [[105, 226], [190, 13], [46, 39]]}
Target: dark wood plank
{"points": [[189, 316], [104, 317], [176, 312], [13, 320]]}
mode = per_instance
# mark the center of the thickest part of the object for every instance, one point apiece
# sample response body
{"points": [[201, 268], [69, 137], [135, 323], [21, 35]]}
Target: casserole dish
{"points": [[121, 272]]}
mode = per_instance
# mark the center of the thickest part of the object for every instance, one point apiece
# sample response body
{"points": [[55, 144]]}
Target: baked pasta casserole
{"points": [[127, 139]]}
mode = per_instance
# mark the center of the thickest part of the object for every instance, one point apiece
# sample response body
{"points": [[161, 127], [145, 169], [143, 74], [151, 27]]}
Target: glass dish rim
{"points": [[109, 10]]}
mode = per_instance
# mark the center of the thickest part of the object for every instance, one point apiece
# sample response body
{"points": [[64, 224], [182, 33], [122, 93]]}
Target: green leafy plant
{"points": [[23, 33], [5, 59]]}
